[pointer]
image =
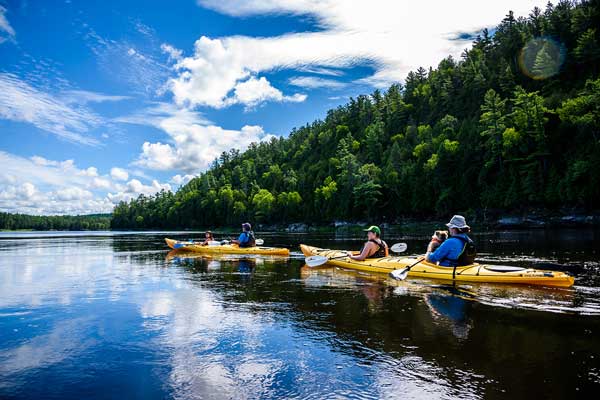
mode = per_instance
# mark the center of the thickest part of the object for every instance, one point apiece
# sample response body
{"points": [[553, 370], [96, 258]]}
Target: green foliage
{"points": [[473, 133], [93, 222], [588, 47], [583, 111], [263, 203]]}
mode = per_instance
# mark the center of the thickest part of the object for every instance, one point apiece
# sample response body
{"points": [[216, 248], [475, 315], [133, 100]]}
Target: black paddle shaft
{"points": [[418, 261], [406, 269]]}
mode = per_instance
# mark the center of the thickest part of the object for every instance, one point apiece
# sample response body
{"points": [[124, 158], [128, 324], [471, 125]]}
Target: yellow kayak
{"points": [[226, 249], [469, 273]]}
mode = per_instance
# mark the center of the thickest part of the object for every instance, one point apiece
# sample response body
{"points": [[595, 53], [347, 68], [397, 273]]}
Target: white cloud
{"points": [[60, 187], [5, 26], [252, 92], [158, 112], [73, 193], [194, 142], [119, 174], [241, 8], [25, 191], [26, 198], [173, 53], [84, 96], [91, 172], [138, 66], [196, 146], [313, 82], [321, 71], [23, 103], [45, 162], [134, 188], [158, 156], [101, 183], [390, 36], [181, 180]]}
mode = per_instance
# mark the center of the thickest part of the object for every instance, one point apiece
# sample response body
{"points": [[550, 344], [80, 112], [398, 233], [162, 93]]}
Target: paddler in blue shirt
{"points": [[246, 238], [458, 249]]}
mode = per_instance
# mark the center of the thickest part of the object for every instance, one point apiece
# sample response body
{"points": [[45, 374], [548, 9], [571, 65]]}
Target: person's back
{"points": [[380, 249]]}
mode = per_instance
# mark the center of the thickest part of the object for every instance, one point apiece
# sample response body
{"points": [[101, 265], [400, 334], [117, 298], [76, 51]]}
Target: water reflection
{"points": [[447, 303], [121, 317], [450, 309]]}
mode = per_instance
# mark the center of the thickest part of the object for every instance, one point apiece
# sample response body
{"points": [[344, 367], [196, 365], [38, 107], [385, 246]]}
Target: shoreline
{"points": [[480, 220]]}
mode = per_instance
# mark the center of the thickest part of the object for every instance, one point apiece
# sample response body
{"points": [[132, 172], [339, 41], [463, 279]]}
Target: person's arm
{"points": [[244, 238], [439, 253], [366, 251], [239, 240]]}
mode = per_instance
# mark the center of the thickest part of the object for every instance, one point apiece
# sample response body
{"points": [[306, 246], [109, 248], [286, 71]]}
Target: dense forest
{"points": [[92, 222], [514, 124]]}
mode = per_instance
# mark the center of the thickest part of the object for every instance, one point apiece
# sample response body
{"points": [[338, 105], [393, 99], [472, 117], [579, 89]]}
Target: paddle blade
{"points": [[315, 261], [214, 243], [259, 242], [178, 245], [399, 274], [399, 248]]}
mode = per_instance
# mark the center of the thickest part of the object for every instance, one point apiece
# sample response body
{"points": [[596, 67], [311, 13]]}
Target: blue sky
{"points": [[103, 101]]}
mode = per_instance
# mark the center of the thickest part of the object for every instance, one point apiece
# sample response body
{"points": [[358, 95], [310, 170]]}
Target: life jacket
{"points": [[466, 256], [251, 240], [380, 253]]}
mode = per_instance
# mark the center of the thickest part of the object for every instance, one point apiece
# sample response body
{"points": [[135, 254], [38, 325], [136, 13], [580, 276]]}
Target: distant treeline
{"points": [[93, 222], [515, 123]]}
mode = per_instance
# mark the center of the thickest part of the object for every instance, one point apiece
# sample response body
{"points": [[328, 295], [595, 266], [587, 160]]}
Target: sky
{"points": [[103, 101]]}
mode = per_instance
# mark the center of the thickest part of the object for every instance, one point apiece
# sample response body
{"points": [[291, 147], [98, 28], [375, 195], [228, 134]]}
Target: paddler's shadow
{"points": [[449, 307]]}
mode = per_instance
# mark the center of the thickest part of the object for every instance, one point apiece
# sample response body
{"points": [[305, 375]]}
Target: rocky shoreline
{"points": [[529, 220]]}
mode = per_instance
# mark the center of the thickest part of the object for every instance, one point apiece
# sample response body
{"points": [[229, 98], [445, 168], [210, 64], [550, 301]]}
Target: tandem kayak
{"points": [[226, 249], [469, 273]]}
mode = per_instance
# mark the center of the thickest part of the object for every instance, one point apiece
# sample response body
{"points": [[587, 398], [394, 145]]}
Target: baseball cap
{"points": [[373, 228]]}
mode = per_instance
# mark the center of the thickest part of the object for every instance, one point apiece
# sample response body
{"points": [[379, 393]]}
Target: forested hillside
{"points": [[514, 123], [93, 222]]}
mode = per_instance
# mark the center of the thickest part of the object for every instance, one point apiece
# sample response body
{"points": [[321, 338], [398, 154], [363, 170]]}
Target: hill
{"points": [[513, 124]]}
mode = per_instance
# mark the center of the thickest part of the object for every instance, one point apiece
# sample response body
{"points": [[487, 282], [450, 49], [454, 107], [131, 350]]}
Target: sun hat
{"points": [[373, 228], [458, 222]]}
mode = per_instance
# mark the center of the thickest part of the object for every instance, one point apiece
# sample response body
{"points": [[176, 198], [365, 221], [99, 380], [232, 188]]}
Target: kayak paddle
{"points": [[258, 242], [317, 261], [399, 248], [401, 274]]}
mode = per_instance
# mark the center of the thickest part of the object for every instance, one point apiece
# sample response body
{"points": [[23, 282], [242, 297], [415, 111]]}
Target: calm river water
{"points": [[111, 315]]}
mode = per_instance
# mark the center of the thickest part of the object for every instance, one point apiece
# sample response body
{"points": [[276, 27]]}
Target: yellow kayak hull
{"points": [[227, 249], [470, 273]]}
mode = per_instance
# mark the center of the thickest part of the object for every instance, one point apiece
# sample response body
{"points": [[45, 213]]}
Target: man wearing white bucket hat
{"points": [[458, 249]]}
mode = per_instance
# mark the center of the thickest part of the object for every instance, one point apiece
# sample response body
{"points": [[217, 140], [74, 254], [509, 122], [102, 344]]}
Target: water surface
{"points": [[108, 315]]}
